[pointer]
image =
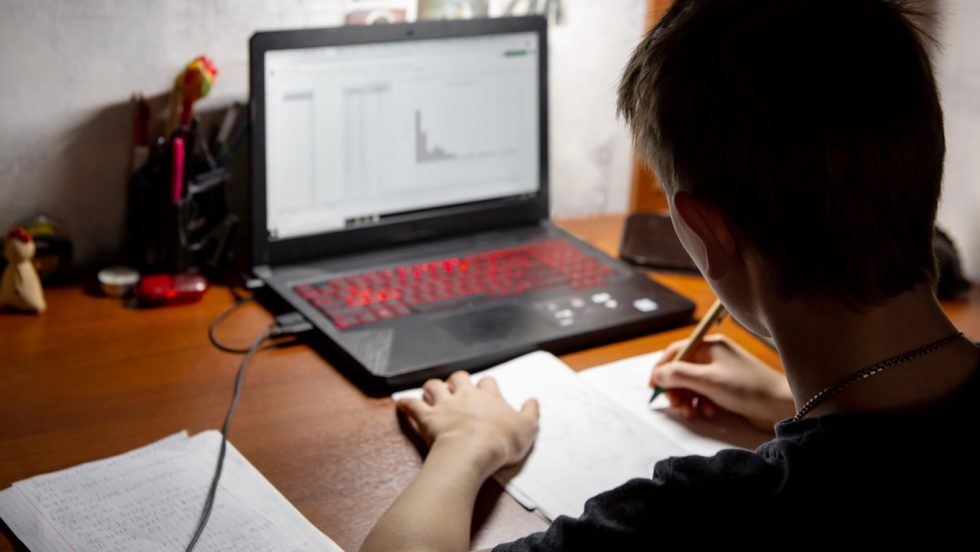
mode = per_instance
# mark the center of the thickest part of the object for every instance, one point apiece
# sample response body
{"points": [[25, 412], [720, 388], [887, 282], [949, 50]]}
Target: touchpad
{"points": [[507, 322]]}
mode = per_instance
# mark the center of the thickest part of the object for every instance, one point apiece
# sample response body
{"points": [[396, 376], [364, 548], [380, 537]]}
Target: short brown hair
{"points": [[814, 124]]}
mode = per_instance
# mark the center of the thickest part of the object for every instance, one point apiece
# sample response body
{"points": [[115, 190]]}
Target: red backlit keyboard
{"points": [[425, 287]]}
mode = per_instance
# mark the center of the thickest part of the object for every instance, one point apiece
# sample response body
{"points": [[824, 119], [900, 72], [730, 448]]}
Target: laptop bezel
{"points": [[439, 222]]}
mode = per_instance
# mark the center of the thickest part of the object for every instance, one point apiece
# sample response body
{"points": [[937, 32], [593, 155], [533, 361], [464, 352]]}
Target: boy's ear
{"points": [[710, 238]]}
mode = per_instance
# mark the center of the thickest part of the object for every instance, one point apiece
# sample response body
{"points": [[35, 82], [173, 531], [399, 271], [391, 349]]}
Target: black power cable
{"points": [[287, 325]]}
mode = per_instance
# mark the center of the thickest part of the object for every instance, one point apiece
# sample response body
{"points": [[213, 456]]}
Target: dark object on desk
{"points": [[951, 284], [649, 240], [54, 248], [441, 258]]}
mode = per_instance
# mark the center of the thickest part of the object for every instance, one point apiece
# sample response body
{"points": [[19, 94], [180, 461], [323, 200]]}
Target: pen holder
{"points": [[191, 234]]}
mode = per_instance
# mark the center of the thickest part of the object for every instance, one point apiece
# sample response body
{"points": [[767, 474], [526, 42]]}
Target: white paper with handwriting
{"points": [[596, 430], [149, 499]]}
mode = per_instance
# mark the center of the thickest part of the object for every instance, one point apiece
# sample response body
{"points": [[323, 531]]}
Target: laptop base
{"points": [[405, 351]]}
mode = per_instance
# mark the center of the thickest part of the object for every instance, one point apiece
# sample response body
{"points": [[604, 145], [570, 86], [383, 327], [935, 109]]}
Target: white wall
{"points": [[591, 157], [70, 66], [958, 67]]}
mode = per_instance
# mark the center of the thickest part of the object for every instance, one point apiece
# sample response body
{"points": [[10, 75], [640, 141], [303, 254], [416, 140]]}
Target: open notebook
{"points": [[150, 498], [596, 430]]}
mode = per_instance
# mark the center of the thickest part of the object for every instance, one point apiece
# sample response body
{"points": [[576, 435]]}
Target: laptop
{"points": [[400, 200]]}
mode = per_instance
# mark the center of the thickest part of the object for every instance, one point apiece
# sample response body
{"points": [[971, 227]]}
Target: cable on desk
{"points": [[212, 329], [209, 501], [286, 325]]}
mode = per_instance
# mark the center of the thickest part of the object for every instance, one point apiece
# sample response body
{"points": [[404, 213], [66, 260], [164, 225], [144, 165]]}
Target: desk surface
{"points": [[90, 379]]}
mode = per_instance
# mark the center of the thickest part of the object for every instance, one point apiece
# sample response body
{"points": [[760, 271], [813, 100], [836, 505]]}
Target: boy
{"points": [[800, 144]]}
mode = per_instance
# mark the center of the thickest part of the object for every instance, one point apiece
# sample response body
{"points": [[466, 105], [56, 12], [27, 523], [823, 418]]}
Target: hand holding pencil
{"points": [[704, 372], [714, 316]]}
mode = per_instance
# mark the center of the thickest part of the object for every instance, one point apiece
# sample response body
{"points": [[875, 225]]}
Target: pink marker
{"points": [[177, 170]]}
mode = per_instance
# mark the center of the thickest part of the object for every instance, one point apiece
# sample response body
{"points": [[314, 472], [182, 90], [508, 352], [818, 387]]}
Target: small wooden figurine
{"points": [[20, 287]]}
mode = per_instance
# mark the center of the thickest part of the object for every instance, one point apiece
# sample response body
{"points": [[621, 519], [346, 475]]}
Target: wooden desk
{"points": [[90, 379]]}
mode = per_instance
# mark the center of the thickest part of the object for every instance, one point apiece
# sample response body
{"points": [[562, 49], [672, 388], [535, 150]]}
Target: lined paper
{"points": [[151, 498]]}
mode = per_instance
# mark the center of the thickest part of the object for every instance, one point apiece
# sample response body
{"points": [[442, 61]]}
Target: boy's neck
{"points": [[822, 342]]}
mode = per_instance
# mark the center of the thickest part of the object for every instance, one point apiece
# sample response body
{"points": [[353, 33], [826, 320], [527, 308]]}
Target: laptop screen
{"points": [[364, 133]]}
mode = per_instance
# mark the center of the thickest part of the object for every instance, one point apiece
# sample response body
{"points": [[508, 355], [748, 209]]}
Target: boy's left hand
{"points": [[474, 419]]}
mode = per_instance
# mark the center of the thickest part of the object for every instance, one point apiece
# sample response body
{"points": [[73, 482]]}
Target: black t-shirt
{"points": [[833, 481]]}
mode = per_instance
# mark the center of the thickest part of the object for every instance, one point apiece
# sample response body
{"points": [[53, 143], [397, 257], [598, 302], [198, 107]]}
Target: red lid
{"points": [[18, 233]]}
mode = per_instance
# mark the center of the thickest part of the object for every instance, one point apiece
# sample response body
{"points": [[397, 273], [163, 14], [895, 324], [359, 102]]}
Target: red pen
{"points": [[177, 170]]}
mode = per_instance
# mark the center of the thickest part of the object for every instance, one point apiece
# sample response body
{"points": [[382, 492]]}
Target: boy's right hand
{"points": [[475, 420], [722, 373]]}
